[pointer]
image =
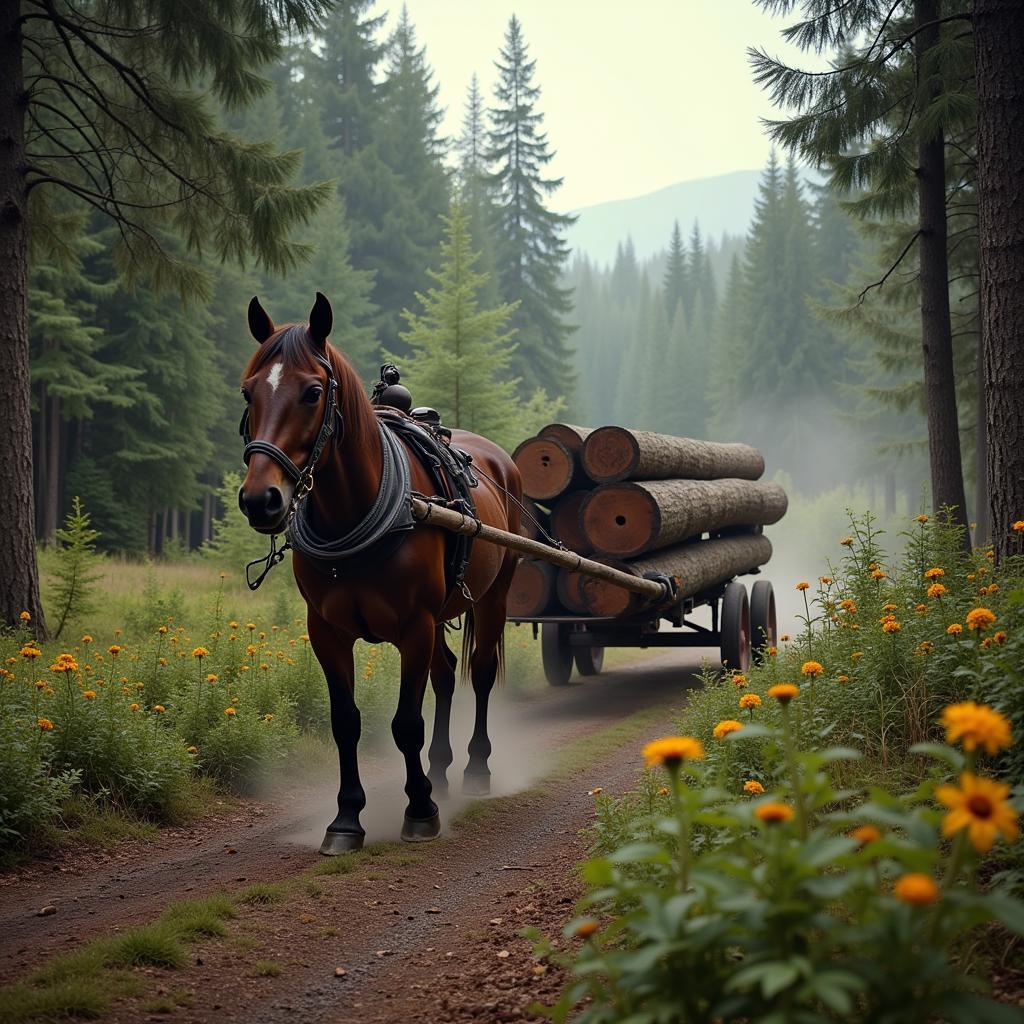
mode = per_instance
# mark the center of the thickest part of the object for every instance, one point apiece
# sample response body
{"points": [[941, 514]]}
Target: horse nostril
{"points": [[241, 501], [274, 501]]}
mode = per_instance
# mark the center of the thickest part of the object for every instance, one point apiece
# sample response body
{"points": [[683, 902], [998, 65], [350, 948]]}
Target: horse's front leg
{"points": [[334, 653], [422, 820], [442, 678]]}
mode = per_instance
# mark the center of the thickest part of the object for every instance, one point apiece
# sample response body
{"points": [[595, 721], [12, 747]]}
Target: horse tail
{"points": [[469, 646]]}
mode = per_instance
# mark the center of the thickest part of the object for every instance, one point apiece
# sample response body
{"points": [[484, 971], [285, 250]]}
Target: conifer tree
{"points": [[531, 250], [77, 569], [676, 279]]}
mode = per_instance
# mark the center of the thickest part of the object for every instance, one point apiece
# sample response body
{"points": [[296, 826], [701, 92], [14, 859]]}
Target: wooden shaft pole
{"points": [[449, 519]]}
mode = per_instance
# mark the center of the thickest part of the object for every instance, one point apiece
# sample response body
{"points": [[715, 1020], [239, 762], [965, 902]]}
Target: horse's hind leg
{"points": [[442, 678], [422, 820]]}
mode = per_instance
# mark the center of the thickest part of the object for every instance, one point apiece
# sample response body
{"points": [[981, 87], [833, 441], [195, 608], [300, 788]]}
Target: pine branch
{"points": [[886, 275]]}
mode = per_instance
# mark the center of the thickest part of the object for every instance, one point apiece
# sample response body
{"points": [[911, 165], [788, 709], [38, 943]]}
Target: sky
{"points": [[636, 95]]}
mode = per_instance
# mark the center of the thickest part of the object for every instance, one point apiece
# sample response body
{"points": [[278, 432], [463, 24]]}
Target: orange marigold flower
{"points": [[916, 888], [825, 579], [114, 650], [88, 694], [250, 625], [211, 677], [771, 651], [773, 812], [888, 607], [783, 692], [750, 700], [980, 806], [892, 626], [45, 724], [920, 608], [133, 707], [936, 590], [200, 652], [980, 618], [999, 637], [25, 616], [725, 727], [192, 750], [1017, 527], [811, 668], [842, 678], [877, 574], [802, 585], [251, 650], [159, 708], [922, 519], [934, 573], [268, 718], [87, 639], [848, 605], [229, 712], [955, 629], [976, 725], [586, 928], [753, 787], [672, 750], [847, 542], [784, 638], [865, 834], [161, 630], [29, 652], [739, 680]]}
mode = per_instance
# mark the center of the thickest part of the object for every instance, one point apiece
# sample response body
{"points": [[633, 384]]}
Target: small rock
{"points": [[230, 849], [503, 954], [540, 969], [496, 920], [383, 952], [433, 910], [340, 972], [47, 911]]}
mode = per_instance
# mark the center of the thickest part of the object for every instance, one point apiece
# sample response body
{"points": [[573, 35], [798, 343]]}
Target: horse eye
{"points": [[312, 395]]}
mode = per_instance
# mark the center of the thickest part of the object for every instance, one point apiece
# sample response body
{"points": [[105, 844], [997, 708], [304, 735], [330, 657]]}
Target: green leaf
{"points": [[941, 753], [1009, 912]]}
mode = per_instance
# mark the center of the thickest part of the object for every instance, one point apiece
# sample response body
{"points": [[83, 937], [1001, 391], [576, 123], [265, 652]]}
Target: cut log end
{"points": [[568, 587], [546, 467], [571, 436], [532, 588], [622, 520], [610, 453], [565, 522]]}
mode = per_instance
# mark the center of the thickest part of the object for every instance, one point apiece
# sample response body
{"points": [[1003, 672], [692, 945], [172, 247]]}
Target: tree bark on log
{"points": [[571, 436], [999, 71], [547, 468], [565, 522], [627, 519], [611, 454], [532, 590], [698, 566]]}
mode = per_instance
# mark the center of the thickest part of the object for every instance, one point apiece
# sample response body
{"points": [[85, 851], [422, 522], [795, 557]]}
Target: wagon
{"points": [[742, 627]]}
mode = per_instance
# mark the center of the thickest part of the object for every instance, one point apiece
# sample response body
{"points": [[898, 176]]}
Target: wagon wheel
{"points": [[589, 660], [555, 653], [736, 627], [764, 630]]}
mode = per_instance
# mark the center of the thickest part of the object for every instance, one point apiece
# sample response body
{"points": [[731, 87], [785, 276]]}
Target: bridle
{"points": [[331, 427]]}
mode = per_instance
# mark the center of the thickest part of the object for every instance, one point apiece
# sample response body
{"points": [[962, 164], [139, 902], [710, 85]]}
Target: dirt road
{"points": [[430, 931]]}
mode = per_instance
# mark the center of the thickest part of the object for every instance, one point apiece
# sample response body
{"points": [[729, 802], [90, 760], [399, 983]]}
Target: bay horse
{"points": [[306, 403]]}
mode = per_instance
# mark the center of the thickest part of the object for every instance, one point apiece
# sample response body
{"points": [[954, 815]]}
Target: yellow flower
{"points": [[163, 661], [251, 650], [29, 652], [976, 725], [1017, 527], [87, 639], [232, 624], [811, 668], [586, 928], [264, 666], [866, 834], [200, 652], [250, 626], [304, 638], [802, 585], [88, 694], [133, 707], [663, 791], [955, 629], [934, 573], [268, 718], [750, 700], [783, 692], [922, 609], [916, 888], [114, 650], [980, 806], [25, 617], [726, 726], [671, 750], [162, 630], [848, 606], [773, 812], [847, 542], [193, 750], [842, 678], [771, 651], [980, 618], [263, 635], [825, 579], [892, 626], [753, 787], [64, 663], [999, 637], [159, 708], [45, 724], [936, 590], [877, 574], [739, 680], [922, 519], [229, 712], [211, 677]]}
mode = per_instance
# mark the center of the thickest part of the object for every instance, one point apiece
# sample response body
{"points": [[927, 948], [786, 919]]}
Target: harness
{"points": [[389, 521]]}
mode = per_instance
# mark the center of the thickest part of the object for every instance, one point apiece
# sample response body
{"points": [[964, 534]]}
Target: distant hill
{"points": [[721, 203]]}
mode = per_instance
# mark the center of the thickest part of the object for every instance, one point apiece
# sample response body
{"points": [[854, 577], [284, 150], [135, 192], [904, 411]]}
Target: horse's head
{"points": [[290, 414]]}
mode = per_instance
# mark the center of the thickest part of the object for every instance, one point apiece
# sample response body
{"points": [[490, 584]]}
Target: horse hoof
{"points": [[438, 786], [336, 843], [421, 830], [476, 783]]}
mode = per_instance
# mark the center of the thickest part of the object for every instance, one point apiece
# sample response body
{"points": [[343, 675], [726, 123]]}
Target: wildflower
{"points": [[750, 700], [842, 678], [193, 750], [848, 606], [934, 574], [888, 607], [234, 700], [40, 684], [304, 638], [250, 626], [88, 694], [586, 928], [230, 712], [892, 626], [133, 707], [916, 888], [45, 724], [1018, 527], [663, 791], [232, 624], [672, 750], [925, 646], [211, 677], [264, 666], [726, 726], [784, 638], [263, 635], [771, 651], [825, 579], [990, 589], [980, 806], [162, 630], [29, 652], [772, 812], [64, 663], [739, 680], [87, 639], [783, 692], [114, 650], [877, 574], [753, 787], [922, 519], [976, 725], [251, 650], [970, 577], [811, 668], [25, 617], [980, 618], [163, 661], [847, 542], [270, 718], [200, 652], [999, 637], [955, 629], [922, 609], [159, 708], [866, 834], [802, 585]]}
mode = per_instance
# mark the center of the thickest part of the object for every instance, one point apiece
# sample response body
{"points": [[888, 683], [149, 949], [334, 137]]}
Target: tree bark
{"points": [[19, 574], [999, 70], [51, 507], [982, 532], [627, 519], [698, 566], [936, 333], [611, 454]]}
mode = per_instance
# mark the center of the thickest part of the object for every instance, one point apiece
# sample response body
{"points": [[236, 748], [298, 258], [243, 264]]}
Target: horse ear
{"points": [[261, 326], [321, 319]]}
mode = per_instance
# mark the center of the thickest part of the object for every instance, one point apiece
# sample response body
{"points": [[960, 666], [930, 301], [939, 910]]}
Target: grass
{"points": [[266, 969], [263, 893]]}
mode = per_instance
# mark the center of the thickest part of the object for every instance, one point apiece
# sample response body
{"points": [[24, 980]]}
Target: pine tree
{"points": [[531, 251], [676, 280], [76, 570]]}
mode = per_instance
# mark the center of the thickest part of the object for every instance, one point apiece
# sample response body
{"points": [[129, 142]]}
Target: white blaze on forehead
{"points": [[274, 377]]}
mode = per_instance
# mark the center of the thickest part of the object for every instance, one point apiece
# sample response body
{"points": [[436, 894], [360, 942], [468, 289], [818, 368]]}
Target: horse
{"points": [[306, 407]]}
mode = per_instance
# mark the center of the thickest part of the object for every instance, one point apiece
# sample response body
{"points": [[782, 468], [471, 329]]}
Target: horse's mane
{"points": [[291, 345]]}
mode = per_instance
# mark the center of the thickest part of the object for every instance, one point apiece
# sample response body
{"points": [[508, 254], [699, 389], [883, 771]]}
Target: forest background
{"points": [[780, 338]]}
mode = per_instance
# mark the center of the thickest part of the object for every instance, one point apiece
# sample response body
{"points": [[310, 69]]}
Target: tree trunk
{"points": [[982, 532], [890, 493], [611, 454], [51, 508], [629, 518], [19, 574], [152, 533], [698, 567], [39, 458], [936, 333], [999, 69]]}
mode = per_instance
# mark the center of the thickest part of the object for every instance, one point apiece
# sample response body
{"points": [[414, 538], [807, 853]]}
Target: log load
{"points": [[611, 454], [566, 524], [531, 527], [572, 437], [547, 468], [568, 589], [532, 590], [697, 565], [627, 519]]}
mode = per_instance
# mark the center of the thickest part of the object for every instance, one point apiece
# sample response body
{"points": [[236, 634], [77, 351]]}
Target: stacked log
{"points": [[643, 503]]}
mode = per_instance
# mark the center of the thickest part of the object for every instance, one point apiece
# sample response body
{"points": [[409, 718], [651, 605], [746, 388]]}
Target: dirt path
{"points": [[433, 926]]}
